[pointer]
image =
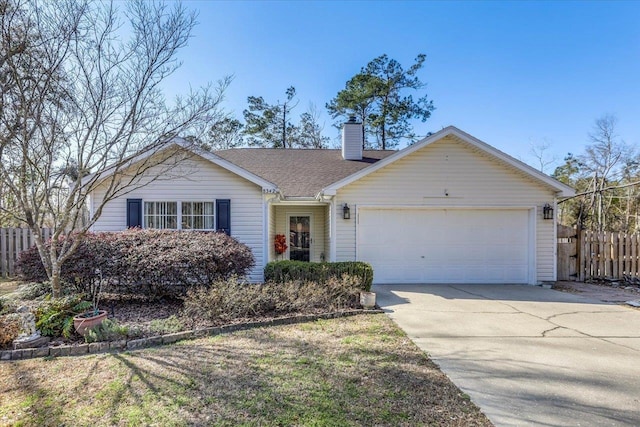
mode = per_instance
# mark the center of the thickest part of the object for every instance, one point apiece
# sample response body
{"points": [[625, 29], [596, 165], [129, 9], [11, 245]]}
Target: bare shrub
{"points": [[230, 299], [9, 329]]}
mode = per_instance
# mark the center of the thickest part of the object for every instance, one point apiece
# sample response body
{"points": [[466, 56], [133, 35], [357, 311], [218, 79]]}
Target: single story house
{"points": [[447, 209]]}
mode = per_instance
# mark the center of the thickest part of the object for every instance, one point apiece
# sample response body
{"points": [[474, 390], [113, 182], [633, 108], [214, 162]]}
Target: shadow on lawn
{"points": [[42, 406], [354, 371], [272, 376]]}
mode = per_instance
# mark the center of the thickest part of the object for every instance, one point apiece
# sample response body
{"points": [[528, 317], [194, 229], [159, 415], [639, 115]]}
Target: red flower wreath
{"points": [[280, 244]]}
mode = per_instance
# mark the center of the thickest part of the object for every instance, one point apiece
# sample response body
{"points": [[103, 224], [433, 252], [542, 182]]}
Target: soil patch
{"points": [[8, 286], [613, 292]]}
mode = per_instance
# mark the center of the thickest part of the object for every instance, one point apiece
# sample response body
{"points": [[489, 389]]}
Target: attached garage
{"points": [[447, 245]]}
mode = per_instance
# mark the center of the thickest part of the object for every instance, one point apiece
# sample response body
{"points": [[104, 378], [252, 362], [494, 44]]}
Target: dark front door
{"points": [[300, 238]]}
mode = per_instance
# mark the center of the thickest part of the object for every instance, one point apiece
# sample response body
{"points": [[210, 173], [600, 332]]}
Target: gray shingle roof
{"points": [[298, 172]]}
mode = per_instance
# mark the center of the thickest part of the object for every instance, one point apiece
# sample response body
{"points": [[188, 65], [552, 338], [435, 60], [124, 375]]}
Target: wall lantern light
{"points": [[547, 211], [346, 212]]}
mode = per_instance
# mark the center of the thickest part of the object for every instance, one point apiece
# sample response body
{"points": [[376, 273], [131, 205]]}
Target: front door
{"points": [[300, 238]]}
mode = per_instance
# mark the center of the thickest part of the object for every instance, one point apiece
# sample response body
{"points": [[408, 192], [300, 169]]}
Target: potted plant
{"points": [[90, 319]]}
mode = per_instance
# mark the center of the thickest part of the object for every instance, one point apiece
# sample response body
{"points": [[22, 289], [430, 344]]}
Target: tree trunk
{"points": [[363, 118], [56, 286], [284, 126]]}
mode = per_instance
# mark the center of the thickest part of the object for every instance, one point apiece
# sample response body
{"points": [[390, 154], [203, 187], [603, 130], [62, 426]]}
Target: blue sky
{"points": [[510, 73]]}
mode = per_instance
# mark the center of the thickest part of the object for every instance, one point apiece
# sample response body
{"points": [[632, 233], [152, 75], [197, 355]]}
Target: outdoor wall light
{"points": [[346, 212], [547, 211]]}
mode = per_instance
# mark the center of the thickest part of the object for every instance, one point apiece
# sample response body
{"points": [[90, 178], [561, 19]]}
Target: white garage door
{"points": [[445, 245]]}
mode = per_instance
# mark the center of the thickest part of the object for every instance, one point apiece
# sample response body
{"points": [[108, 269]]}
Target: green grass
{"points": [[356, 371]]}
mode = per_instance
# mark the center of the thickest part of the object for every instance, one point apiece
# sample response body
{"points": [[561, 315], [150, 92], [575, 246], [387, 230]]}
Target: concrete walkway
{"points": [[527, 355]]}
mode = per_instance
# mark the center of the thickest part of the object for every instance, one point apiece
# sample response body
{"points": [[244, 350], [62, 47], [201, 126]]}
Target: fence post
{"points": [[634, 254], [4, 272], [621, 237], [580, 255], [12, 242]]}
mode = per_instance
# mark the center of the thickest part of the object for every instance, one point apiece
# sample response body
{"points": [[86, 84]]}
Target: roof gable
{"points": [[560, 188], [190, 147]]}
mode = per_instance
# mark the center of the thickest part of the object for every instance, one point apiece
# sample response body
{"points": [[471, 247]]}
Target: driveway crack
{"points": [[549, 319], [544, 333]]}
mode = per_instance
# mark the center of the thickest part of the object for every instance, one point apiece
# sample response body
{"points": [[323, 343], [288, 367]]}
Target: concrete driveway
{"points": [[527, 355]]}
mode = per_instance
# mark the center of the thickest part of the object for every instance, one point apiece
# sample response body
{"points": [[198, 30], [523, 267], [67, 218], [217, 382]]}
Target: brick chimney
{"points": [[352, 139]]}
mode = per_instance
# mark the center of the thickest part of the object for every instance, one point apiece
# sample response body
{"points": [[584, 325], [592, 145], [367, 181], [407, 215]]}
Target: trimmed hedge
{"points": [[283, 271], [152, 262]]}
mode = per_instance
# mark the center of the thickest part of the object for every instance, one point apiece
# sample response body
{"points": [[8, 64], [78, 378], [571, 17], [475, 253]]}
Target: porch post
{"points": [[332, 221]]}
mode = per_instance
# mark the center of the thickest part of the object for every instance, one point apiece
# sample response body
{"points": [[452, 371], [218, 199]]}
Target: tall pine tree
{"points": [[377, 95]]}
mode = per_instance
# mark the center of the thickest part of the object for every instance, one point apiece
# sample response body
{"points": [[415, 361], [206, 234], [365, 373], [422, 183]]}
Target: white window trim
{"points": [[179, 214]]}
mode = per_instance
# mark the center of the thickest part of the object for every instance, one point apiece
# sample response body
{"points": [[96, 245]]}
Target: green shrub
{"points": [[54, 317], [34, 290], [282, 271], [108, 330], [166, 326], [227, 300]]}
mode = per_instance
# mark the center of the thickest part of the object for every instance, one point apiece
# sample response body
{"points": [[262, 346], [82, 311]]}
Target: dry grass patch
{"points": [[357, 371], [8, 286]]}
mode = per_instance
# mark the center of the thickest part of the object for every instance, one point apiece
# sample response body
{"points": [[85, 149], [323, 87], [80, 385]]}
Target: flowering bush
{"points": [[281, 244]]}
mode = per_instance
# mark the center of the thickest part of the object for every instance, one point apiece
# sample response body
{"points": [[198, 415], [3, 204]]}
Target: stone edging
{"points": [[125, 345]]}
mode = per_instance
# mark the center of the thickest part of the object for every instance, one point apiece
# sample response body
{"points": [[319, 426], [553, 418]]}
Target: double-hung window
{"points": [[179, 215], [197, 216], [162, 215]]}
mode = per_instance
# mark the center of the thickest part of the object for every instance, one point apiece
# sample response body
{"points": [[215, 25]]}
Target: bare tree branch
{"points": [[77, 97]]}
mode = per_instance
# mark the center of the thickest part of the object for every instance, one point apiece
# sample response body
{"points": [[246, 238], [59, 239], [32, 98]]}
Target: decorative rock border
{"points": [[125, 345]]}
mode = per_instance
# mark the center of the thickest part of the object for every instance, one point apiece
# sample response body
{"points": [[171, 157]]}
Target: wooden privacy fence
{"points": [[597, 255], [12, 242], [567, 253], [604, 254]]}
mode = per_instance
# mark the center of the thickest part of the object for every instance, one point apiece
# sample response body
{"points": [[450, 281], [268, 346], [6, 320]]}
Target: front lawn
{"points": [[359, 370]]}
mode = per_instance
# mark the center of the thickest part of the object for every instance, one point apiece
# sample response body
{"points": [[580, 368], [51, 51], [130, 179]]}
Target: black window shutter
{"points": [[223, 215], [134, 213]]}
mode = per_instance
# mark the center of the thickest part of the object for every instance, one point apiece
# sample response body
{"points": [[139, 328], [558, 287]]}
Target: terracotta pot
{"points": [[82, 323]]}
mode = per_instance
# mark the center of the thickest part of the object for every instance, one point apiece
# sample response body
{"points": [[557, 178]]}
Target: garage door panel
{"points": [[445, 245]]}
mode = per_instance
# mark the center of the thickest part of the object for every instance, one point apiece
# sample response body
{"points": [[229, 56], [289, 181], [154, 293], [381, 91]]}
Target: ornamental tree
{"points": [[80, 92]]}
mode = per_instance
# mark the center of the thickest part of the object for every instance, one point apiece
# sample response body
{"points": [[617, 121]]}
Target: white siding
{"points": [[198, 180], [352, 141], [272, 233], [318, 226], [469, 177], [327, 233]]}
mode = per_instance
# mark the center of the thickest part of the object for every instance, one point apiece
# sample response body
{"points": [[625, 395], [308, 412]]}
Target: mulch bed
{"points": [[138, 313]]}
